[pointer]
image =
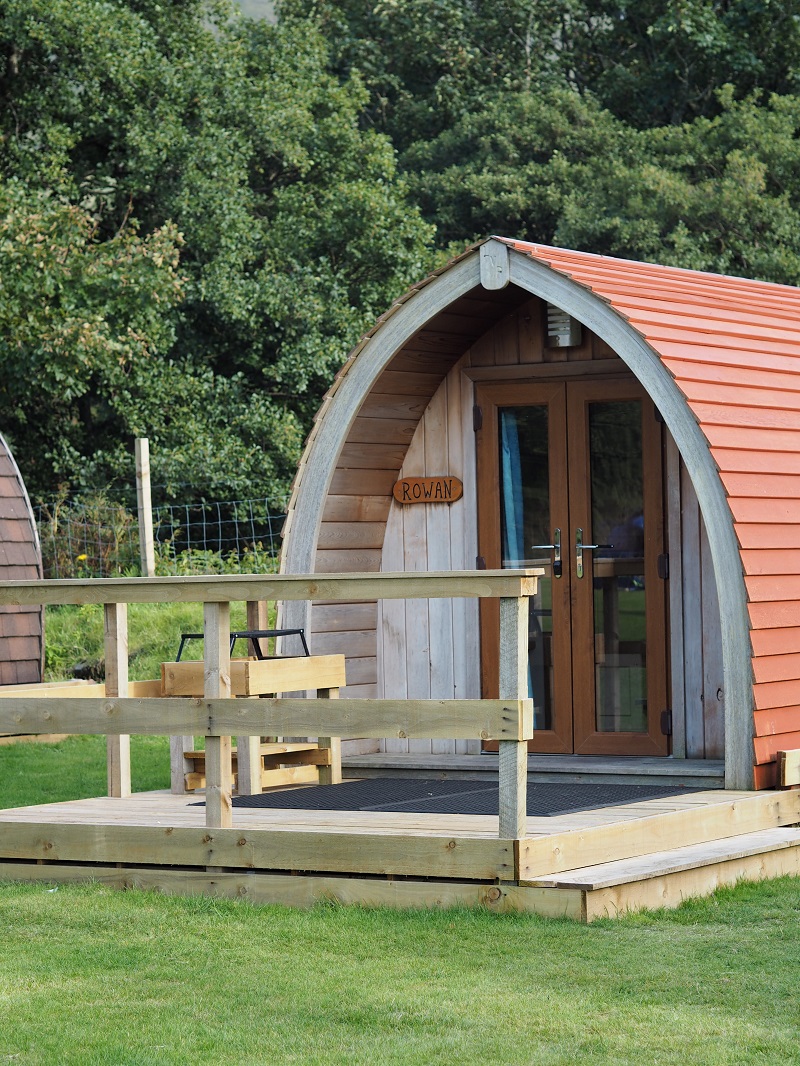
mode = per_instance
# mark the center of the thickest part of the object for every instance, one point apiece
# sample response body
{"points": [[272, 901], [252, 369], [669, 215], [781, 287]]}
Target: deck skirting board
{"points": [[667, 891], [442, 856], [306, 890]]}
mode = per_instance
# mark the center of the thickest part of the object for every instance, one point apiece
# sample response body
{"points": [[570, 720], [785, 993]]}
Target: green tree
{"points": [[185, 118], [654, 63], [79, 318], [428, 65], [719, 194]]}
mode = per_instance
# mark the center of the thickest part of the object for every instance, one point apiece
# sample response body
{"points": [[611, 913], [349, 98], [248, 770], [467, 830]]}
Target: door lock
{"points": [[555, 547]]}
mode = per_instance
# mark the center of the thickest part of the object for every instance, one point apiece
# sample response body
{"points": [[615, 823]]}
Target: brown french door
{"points": [[569, 480]]}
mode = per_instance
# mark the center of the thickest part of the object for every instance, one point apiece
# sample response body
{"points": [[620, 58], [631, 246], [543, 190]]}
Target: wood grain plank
{"points": [[762, 484], [765, 512], [754, 535], [778, 615], [507, 719], [744, 461], [253, 849], [767, 747], [771, 561], [777, 720], [344, 617], [217, 685], [775, 642], [767, 668], [381, 431], [363, 482], [346, 560], [118, 748], [335, 535], [773, 587], [392, 665], [722, 414], [726, 392], [438, 536], [676, 597], [356, 508], [772, 694], [692, 619], [713, 674], [754, 438], [393, 405], [531, 331], [358, 456], [415, 558]]}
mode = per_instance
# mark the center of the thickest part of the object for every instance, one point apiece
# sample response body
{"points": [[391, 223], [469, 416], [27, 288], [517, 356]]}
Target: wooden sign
{"points": [[443, 489]]}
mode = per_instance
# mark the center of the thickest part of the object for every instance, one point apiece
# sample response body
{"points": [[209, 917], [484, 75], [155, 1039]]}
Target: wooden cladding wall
{"points": [[433, 651], [21, 628], [418, 421], [698, 696], [356, 510], [430, 649]]}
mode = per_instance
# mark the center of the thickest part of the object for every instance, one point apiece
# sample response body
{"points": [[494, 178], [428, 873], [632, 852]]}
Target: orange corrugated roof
{"points": [[733, 348]]}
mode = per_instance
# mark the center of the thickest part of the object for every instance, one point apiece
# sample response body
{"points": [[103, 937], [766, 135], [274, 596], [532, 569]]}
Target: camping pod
{"points": [[21, 628], [631, 429]]}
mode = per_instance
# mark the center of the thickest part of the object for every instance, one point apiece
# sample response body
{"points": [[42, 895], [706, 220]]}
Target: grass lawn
{"points": [[75, 635], [90, 976]]}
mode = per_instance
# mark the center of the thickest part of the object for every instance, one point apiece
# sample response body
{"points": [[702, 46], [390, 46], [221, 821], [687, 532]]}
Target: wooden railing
{"points": [[218, 717]]}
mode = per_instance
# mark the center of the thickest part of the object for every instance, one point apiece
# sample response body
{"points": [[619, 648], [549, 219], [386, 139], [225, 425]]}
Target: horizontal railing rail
{"points": [[260, 716], [235, 588], [218, 717]]}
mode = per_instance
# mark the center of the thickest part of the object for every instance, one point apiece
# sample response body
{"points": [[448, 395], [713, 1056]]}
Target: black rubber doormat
{"points": [[456, 796]]}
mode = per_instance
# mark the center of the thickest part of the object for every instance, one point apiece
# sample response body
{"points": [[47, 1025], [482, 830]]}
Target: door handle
{"points": [[580, 548], [556, 549]]}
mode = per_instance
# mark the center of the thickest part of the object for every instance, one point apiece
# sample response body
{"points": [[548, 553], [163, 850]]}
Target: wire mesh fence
{"points": [[95, 537]]}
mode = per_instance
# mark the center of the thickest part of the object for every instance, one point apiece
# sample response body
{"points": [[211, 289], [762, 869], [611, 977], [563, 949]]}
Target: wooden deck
{"points": [[580, 865]]}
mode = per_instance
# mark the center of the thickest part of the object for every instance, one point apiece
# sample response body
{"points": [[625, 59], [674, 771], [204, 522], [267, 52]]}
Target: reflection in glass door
{"points": [[525, 529], [618, 578]]}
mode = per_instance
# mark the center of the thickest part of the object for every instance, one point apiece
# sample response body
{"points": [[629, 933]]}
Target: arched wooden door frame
{"points": [[519, 268]]}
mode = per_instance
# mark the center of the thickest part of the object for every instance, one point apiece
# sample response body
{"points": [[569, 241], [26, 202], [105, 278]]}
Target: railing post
{"points": [[513, 754], [118, 748], [248, 749], [217, 685], [331, 774]]}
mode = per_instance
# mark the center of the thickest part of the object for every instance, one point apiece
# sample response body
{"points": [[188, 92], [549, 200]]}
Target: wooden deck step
{"points": [[567, 769], [678, 860], [734, 814]]}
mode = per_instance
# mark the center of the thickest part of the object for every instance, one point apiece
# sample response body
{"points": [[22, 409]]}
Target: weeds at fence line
{"points": [[96, 537]]}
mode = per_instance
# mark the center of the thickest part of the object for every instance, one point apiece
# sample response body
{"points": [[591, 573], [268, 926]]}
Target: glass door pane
{"points": [[525, 529], [618, 566]]}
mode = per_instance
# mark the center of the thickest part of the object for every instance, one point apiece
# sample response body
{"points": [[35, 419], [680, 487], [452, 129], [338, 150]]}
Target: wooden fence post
{"points": [[145, 507], [217, 685], [118, 748], [513, 754]]}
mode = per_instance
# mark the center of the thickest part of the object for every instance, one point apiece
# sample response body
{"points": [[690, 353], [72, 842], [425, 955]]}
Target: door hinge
{"points": [[662, 567], [477, 417], [666, 722], [480, 562]]}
